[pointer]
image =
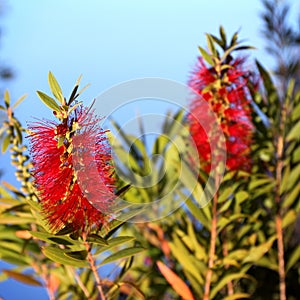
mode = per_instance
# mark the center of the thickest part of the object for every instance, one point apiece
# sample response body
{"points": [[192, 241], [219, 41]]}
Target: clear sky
{"points": [[109, 42]]}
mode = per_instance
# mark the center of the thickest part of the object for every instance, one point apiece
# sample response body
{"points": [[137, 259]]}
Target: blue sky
{"points": [[109, 42]]}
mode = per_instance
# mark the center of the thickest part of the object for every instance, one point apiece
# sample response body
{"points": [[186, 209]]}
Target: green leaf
{"points": [[289, 218], [267, 262], [272, 95], [291, 197], [80, 255], [10, 201], [199, 249], [58, 255], [296, 113], [55, 88], [54, 239], [294, 132], [241, 196], [237, 296], [84, 88], [296, 155], [15, 219], [97, 239], [19, 101], [244, 48], [207, 57], [6, 98], [225, 280], [218, 41], [257, 252], [27, 279], [122, 254], [211, 46], [11, 188], [238, 255], [294, 177], [223, 35], [225, 206], [14, 257], [113, 242], [254, 183], [186, 260], [226, 193], [197, 212], [293, 258], [5, 143], [19, 133], [48, 101]]}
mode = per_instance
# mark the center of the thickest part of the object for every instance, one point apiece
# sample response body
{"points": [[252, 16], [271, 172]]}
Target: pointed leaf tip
{"points": [[55, 88], [48, 101]]}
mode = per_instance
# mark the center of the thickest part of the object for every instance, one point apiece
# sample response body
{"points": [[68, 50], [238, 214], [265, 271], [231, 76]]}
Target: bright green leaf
{"points": [[55, 88], [122, 254], [48, 101], [258, 251], [97, 239], [113, 242], [293, 258], [207, 57], [238, 296], [225, 280], [19, 101], [294, 132], [5, 143], [289, 218], [6, 98], [59, 256]]}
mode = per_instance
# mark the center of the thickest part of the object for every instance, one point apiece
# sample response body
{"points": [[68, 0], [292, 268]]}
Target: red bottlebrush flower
{"points": [[229, 98], [72, 171]]}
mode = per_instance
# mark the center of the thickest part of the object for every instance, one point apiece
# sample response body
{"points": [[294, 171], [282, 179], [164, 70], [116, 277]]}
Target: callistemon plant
{"points": [[72, 167], [223, 82]]}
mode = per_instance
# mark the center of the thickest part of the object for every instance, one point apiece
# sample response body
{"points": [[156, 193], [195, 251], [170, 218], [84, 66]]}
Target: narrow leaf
{"points": [[48, 101], [117, 241], [237, 296], [293, 258], [97, 239], [27, 279], [59, 256], [80, 255], [257, 252], [5, 143], [225, 280], [55, 88], [294, 133], [7, 99], [176, 282], [223, 35], [19, 101], [206, 56], [122, 254]]}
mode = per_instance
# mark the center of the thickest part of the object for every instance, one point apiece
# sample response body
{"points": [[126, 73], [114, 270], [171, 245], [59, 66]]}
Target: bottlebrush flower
{"points": [[228, 97], [72, 170]]}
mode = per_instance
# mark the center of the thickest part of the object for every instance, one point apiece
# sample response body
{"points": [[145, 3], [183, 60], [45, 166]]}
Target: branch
{"points": [[212, 250], [94, 270]]}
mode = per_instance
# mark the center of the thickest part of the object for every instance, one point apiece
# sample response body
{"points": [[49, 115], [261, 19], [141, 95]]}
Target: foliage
{"points": [[283, 41], [64, 262], [246, 235]]}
